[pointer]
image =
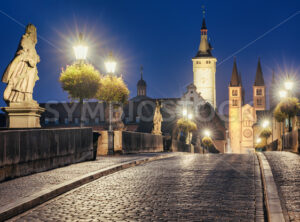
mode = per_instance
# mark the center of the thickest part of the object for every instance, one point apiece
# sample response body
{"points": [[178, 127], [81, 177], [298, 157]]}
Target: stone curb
{"points": [[26, 203], [272, 200]]}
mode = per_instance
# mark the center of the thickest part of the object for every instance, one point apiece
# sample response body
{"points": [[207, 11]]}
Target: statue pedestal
{"points": [[24, 115]]}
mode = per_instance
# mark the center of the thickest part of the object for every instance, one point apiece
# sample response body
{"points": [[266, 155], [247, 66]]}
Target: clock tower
{"points": [[204, 68]]}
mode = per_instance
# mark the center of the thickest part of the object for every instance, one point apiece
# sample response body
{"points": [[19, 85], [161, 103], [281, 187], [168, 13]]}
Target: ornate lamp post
{"points": [[110, 66], [80, 51]]}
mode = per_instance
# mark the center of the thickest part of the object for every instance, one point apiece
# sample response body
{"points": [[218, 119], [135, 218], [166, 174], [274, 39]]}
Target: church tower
{"points": [[141, 85], [259, 90], [235, 110], [204, 68]]}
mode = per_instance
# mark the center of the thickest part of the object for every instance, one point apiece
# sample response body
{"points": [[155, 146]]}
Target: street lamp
{"points": [[110, 65], [265, 123], [282, 94], [258, 140], [206, 133], [190, 116], [80, 49], [288, 84]]}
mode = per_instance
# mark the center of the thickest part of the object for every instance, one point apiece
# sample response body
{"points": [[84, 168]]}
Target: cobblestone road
{"points": [[286, 172], [184, 188], [29, 185]]}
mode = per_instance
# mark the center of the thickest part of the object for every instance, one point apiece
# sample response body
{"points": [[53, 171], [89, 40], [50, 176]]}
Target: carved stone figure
{"points": [[21, 73], [20, 76], [157, 119]]}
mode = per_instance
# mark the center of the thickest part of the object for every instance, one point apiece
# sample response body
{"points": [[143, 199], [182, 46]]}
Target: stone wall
{"points": [[291, 141], [134, 142], [23, 152], [179, 146], [130, 142]]}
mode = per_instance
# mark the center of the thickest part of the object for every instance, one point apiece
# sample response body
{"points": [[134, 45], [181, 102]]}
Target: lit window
{"points": [[97, 120], [87, 120], [56, 121], [76, 121], [46, 121], [234, 92], [66, 121], [259, 102], [234, 102], [258, 92], [137, 119]]}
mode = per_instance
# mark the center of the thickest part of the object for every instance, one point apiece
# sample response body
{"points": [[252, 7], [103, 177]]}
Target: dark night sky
{"points": [[161, 35]]}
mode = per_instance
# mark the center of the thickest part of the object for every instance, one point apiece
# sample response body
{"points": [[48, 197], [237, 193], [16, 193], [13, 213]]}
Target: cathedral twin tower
{"points": [[241, 116]]}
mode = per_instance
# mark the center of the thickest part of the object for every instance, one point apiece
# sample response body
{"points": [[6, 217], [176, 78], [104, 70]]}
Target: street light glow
{"points": [[288, 85], [283, 94], [110, 64], [207, 133], [258, 140], [265, 123], [190, 116], [81, 49], [184, 112]]}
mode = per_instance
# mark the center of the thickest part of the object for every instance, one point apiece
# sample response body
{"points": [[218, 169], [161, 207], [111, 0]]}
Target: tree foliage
{"points": [[113, 89], [279, 116], [81, 81], [207, 141], [266, 133], [289, 106], [186, 125]]}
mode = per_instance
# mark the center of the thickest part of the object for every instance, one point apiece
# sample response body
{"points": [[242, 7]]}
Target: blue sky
{"points": [[163, 36]]}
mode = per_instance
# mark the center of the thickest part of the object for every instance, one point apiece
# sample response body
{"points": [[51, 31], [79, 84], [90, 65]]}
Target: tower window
{"points": [[259, 102], [192, 99], [235, 92], [234, 102], [258, 92]]}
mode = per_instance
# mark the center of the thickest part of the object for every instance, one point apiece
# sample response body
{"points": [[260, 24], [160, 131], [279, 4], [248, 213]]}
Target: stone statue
{"points": [[157, 119], [21, 73]]}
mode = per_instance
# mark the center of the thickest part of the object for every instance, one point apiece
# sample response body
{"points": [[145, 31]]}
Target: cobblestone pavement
{"points": [[192, 187], [286, 172], [15, 189]]}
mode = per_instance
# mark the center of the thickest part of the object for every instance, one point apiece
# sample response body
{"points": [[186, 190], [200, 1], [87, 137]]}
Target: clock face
{"points": [[247, 133], [203, 77]]}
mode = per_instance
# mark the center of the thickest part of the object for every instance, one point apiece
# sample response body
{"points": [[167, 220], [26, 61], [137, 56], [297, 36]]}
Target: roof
{"points": [[259, 79], [141, 82], [235, 78], [204, 47]]}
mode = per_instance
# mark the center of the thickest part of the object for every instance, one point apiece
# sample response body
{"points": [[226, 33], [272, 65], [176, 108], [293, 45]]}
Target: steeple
{"points": [[141, 85], [235, 78], [204, 47], [259, 79]]}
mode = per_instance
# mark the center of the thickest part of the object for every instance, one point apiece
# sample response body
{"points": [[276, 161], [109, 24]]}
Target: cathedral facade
{"points": [[243, 116]]}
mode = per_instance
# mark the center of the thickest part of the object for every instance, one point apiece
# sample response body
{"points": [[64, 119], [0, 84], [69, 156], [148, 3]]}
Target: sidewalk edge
{"points": [[272, 200]]}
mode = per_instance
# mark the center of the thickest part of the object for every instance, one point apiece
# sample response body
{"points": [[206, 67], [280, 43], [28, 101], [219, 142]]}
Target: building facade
{"points": [[243, 116]]}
